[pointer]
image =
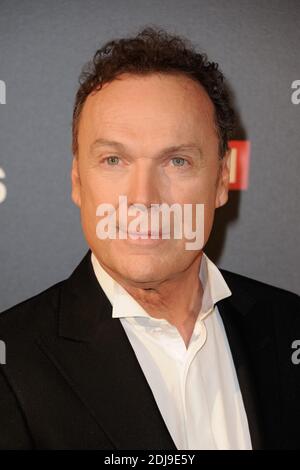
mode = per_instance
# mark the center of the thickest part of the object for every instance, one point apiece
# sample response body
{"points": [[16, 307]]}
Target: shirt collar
{"points": [[124, 305]]}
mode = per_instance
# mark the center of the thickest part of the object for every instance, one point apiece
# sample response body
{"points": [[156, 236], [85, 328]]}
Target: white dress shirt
{"points": [[196, 388]]}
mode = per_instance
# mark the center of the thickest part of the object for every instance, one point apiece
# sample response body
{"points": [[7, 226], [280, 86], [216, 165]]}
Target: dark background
{"points": [[43, 46]]}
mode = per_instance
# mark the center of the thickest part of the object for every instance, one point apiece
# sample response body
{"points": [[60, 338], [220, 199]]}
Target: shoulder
{"points": [[32, 314], [264, 306], [39, 315], [261, 291]]}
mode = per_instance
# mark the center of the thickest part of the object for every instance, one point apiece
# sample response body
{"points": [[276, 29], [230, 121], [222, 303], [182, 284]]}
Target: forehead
{"points": [[151, 106]]}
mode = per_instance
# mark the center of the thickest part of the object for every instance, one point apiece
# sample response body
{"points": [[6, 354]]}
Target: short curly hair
{"points": [[153, 50]]}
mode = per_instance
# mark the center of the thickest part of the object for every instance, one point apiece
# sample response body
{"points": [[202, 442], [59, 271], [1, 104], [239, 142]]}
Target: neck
{"points": [[159, 301]]}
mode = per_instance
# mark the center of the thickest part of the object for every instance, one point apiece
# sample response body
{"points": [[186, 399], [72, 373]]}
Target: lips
{"points": [[148, 234], [143, 234]]}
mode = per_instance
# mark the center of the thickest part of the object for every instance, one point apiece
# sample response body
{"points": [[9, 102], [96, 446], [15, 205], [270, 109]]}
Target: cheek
{"points": [[205, 193], [90, 199], [95, 191]]}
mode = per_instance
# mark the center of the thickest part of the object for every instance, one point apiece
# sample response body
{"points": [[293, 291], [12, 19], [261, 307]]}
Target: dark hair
{"points": [[154, 50]]}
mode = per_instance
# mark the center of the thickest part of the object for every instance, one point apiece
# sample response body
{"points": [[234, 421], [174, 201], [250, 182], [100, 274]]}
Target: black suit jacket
{"points": [[72, 380]]}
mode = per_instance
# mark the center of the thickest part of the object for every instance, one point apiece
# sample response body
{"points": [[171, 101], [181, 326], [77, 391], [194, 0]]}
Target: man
{"points": [[148, 345]]}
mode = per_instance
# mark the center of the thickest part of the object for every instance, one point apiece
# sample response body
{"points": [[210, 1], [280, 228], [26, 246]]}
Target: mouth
{"points": [[149, 237], [148, 234]]}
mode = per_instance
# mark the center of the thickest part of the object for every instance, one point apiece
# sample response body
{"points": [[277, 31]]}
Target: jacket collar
{"points": [[84, 305], [124, 305]]}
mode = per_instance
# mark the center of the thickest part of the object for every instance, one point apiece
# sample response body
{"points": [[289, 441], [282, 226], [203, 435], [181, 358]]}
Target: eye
{"points": [[178, 161], [112, 160]]}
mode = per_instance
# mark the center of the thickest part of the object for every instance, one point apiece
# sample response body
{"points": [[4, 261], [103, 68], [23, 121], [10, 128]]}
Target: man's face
{"points": [[147, 115]]}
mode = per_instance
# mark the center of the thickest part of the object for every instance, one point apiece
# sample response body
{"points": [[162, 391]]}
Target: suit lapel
{"points": [[253, 353], [93, 353]]}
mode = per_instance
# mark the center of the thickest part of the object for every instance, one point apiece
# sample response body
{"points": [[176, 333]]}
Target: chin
{"points": [[143, 271]]}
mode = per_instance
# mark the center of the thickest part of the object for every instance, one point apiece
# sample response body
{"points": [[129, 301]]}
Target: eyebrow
{"points": [[101, 142]]}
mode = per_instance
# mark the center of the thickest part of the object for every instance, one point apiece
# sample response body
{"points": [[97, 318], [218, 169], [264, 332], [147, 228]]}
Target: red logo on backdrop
{"points": [[239, 164]]}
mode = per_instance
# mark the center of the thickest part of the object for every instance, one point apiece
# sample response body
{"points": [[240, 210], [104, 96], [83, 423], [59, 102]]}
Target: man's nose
{"points": [[144, 186]]}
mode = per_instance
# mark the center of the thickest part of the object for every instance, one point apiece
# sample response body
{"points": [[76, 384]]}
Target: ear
{"points": [[76, 183], [223, 180]]}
